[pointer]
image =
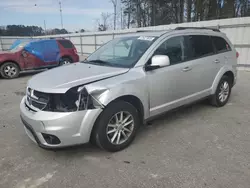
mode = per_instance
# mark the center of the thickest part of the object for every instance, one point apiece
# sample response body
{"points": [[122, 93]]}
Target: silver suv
{"points": [[129, 80]]}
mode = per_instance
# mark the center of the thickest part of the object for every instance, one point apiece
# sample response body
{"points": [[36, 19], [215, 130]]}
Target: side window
{"points": [[220, 44], [173, 48], [199, 46], [66, 43]]}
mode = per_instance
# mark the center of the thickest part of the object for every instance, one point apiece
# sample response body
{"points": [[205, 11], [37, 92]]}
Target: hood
{"points": [[59, 80], [5, 52]]}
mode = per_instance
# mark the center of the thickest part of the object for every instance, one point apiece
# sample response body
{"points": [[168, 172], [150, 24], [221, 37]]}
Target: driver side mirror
{"points": [[158, 61]]}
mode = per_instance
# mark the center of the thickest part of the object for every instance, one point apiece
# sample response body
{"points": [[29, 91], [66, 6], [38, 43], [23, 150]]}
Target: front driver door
{"points": [[32, 55], [30, 60], [169, 85]]}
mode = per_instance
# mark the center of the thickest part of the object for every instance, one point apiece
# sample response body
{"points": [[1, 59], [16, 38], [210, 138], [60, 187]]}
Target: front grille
{"points": [[38, 105], [29, 108], [37, 99], [43, 97], [54, 102]]}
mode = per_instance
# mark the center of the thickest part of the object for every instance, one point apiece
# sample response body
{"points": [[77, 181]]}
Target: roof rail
{"points": [[139, 31], [56, 38], [205, 28]]}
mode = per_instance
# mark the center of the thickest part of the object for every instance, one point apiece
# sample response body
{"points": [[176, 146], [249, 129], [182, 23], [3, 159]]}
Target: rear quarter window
{"points": [[66, 43], [221, 44]]}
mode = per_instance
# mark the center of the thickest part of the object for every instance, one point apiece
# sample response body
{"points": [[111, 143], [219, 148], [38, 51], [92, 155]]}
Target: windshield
{"points": [[121, 52], [19, 46]]}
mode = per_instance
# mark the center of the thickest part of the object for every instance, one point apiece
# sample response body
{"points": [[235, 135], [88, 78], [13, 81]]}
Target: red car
{"points": [[36, 54]]}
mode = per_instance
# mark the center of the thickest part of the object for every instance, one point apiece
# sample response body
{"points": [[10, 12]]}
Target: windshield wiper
{"points": [[99, 62]]}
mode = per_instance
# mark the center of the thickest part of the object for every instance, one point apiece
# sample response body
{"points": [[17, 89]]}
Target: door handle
{"points": [[217, 61], [187, 69]]}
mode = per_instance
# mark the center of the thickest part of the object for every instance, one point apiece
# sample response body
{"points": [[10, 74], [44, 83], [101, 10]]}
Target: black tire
{"points": [[215, 99], [101, 127], [14, 72], [65, 61]]}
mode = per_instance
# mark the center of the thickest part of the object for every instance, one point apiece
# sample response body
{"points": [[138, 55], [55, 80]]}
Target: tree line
{"points": [[21, 30], [142, 13]]}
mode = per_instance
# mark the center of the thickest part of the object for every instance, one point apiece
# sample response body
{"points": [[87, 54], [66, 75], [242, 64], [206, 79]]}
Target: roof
{"points": [[178, 29], [147, 33]]}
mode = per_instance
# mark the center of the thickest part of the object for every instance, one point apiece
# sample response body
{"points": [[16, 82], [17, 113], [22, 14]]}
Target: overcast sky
{"points": [[77, 14]]}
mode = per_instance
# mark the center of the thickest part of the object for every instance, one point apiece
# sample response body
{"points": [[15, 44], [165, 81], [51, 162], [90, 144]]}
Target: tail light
{"points": [[237, 54]]}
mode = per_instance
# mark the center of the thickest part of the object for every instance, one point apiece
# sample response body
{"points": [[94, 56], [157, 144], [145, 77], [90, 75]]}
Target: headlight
{"points": [[74, 99]]}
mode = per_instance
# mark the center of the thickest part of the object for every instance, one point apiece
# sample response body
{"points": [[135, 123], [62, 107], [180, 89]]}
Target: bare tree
{"points": [[103, 22]]}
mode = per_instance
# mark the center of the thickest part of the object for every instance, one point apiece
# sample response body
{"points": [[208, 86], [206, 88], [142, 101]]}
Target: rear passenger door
{"points": [[203, 60], [50, 52]]}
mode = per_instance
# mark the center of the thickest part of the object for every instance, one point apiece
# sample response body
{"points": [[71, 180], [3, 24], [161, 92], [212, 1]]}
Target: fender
{"points": [[109, 94], [219, 75]]}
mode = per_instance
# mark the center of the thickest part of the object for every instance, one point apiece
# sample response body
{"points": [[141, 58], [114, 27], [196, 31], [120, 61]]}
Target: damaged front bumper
{"points": [[58, 129]]}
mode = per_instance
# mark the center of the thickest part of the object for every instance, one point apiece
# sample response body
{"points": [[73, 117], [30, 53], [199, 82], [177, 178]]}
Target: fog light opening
{"points": [[51, 139]]}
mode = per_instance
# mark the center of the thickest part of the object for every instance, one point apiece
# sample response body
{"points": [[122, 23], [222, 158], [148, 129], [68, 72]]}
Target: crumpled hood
{"points": [[59, 80]]}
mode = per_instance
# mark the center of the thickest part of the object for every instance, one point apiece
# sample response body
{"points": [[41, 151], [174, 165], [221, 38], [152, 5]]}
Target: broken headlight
{"points": [[74, 99]]}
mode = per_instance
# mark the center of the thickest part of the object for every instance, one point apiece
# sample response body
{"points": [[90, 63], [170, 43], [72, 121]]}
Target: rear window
{"points": [[199, 46], [66, 43], [220, 44]]}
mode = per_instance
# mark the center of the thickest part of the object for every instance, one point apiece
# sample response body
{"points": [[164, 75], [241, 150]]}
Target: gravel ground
{"points": [[196, 146]]}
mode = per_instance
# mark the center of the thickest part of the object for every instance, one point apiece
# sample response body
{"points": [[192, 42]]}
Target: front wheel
{"points": [[9, 70], [65, 61], [223, 91], [117, 126]]}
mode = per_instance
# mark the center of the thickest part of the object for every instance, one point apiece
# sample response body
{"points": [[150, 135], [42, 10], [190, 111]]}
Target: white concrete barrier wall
{"points": [[237, 30]]}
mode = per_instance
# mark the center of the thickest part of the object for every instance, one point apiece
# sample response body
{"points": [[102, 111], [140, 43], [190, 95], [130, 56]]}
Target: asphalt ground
{"points": [[195, 146]]}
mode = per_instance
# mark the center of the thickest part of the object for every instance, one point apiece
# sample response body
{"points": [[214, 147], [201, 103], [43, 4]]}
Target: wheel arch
{"points": [[133, 100], [230, 75], [228, 72], [66, 56], [10, 61]]}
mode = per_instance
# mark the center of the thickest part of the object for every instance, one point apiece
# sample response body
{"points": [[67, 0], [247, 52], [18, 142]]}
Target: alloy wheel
{"points": [[120, 127], [65, 62], [224, 91], [10, 71]]}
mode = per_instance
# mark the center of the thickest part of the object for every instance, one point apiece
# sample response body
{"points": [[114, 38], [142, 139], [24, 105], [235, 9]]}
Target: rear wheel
{"points": [[9, 70], [117, 126], [222, 93], [65, 61]]}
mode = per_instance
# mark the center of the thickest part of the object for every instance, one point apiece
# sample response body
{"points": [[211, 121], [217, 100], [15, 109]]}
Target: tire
{"points": [[9, 70], [106, 123], [65, 61], [217, 99]]}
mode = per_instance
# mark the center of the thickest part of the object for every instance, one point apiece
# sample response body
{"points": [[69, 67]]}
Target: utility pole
{"points": [[115, 5], [60, 6], [44, 22], [121, 19]]}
